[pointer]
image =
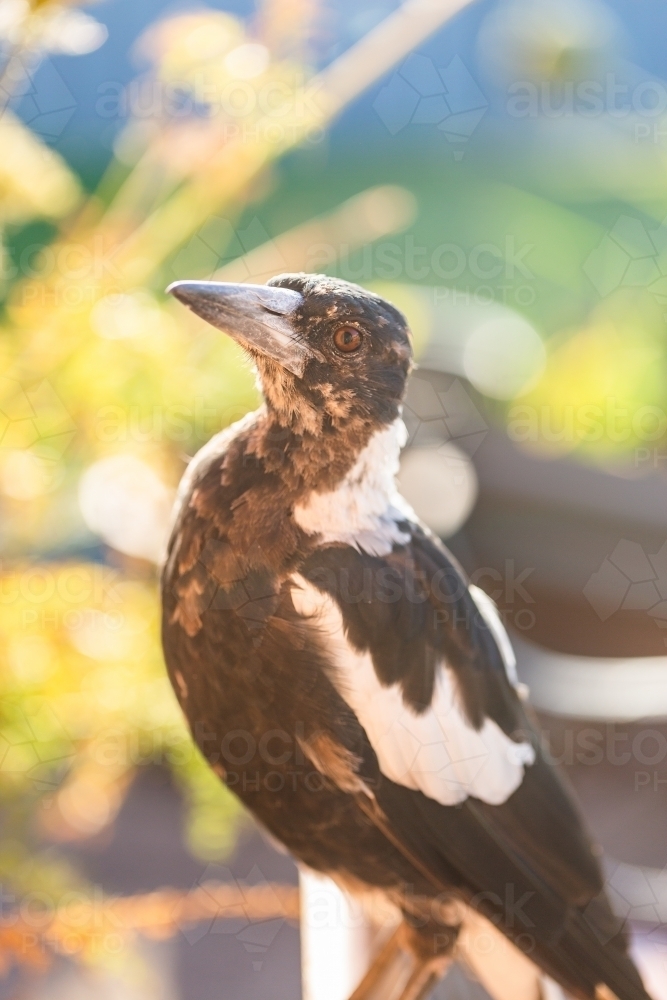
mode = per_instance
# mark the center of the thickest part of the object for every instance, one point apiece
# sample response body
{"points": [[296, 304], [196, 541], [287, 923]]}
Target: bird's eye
{"points": [[347, 339]]}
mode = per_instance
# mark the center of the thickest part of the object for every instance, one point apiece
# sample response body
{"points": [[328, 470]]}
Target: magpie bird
{"points": [[341, 675]]}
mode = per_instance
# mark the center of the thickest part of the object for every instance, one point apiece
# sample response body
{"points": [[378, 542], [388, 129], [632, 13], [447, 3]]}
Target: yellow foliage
{"points": [[34, 180], [598, 394]]}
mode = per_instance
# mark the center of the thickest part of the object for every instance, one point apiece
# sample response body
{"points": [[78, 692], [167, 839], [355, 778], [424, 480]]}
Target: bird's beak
{"points": [[259, 317]]}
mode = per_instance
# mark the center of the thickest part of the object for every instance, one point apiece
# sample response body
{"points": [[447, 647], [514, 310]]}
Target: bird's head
{"points": [[328, 353]]}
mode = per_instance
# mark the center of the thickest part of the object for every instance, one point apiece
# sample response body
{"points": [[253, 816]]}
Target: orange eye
{"points": [[347, 339]]}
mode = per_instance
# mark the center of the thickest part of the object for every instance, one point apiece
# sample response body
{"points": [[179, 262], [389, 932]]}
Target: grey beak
{"points": [[257, 316]]}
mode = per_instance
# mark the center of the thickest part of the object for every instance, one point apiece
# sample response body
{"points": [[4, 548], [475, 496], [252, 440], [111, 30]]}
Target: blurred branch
{"points": [[79, 927], [384, 46], [34, 181]]}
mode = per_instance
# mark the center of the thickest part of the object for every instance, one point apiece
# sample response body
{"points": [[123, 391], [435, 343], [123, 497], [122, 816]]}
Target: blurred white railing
{"points": [[590, 687], [335, 939]]}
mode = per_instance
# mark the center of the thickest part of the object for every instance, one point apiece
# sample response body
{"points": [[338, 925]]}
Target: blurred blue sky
{"points": [[63, 106]]}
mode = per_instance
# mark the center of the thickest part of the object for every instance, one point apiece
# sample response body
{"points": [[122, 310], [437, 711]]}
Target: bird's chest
{"points": [[253, 686], [364, 507]]}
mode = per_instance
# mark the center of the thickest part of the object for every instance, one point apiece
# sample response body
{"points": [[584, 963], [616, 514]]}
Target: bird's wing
{"points": [[419, 658], [426, 667]]}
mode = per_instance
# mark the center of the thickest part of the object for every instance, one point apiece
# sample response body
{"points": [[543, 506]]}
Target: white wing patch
{"points": [[489, 613], [437, 752], [363, 509]]}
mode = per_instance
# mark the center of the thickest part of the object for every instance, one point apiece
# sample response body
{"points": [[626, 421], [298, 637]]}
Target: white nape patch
{"points": [[437, 752], [363, 509], [489, 613]]}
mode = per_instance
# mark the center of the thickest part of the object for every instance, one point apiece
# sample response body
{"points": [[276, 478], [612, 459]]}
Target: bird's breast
{"points": [[365, 508]]}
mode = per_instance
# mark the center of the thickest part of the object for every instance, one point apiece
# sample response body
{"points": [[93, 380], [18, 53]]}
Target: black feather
{"points": [[411, 610]]}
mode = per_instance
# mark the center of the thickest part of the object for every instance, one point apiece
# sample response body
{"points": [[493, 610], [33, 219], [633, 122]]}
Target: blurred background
{"points": [[496, 169]]}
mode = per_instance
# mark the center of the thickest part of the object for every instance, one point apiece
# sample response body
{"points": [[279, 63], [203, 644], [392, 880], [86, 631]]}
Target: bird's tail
{"points": [[593, 949], [505, 972]]}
